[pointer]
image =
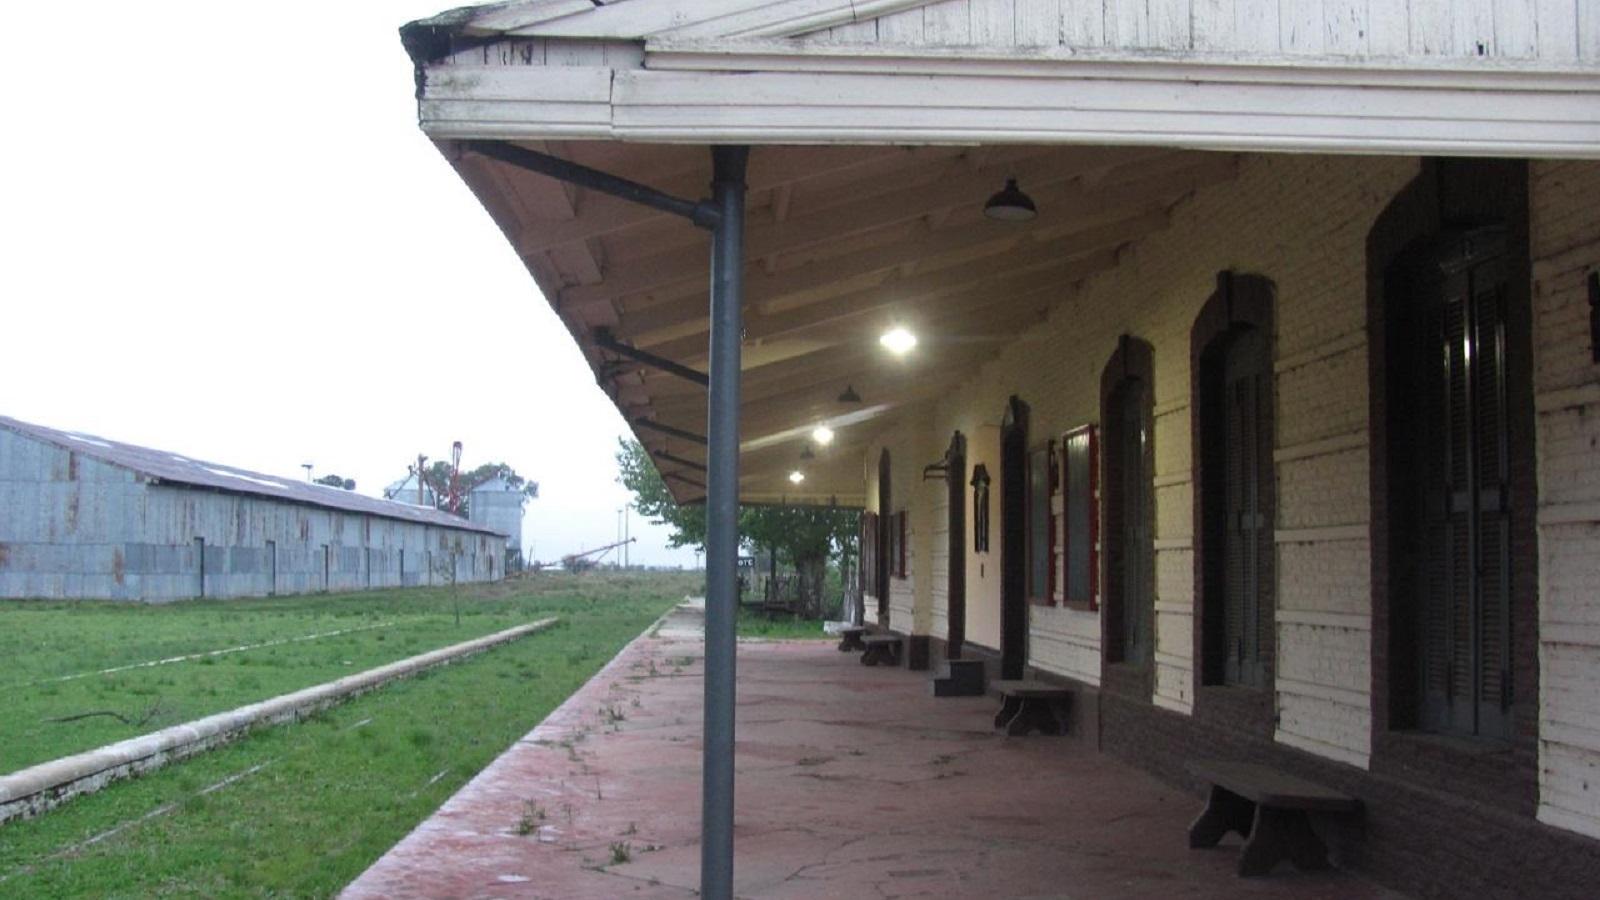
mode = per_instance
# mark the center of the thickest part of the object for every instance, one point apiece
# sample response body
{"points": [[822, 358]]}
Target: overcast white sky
{"points": [[222, 234]]}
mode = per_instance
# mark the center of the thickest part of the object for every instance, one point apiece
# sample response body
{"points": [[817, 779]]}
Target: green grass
{"points": [[40, 641], [338, 790], [780, 628]]}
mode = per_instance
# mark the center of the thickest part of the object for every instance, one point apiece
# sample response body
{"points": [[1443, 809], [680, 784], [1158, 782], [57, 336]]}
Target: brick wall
{"points": [[1303, 222], [910, 598], [1300, 221], [1565, 244]]}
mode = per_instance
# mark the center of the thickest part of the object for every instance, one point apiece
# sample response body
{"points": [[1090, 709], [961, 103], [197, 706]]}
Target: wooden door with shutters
{"points": [[1247, 530], [1131, 557], [955, 461], [1014, 540], [868, 567], [885, 520], [1466, 511]]}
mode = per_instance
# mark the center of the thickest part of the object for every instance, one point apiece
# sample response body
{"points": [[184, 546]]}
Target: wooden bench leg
{"points": [[851, 641], [1278, 834], [884, 654], [1009, 707], [1034, 715], [1225, 811]]}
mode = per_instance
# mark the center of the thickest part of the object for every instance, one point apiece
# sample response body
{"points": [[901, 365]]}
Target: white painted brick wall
{"points": [[1328, 576], [1302, 221], [1565, 233]]}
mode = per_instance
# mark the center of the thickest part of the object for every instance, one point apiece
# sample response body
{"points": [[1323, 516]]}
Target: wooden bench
{"points": [[850, 638], [1026, 706], [881, 648], [1270, 809]]}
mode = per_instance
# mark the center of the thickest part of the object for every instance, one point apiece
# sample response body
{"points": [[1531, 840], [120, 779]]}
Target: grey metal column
{"points": [[722, 521]]}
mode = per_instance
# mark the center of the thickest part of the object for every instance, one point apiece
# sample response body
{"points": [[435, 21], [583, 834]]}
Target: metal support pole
{"points": [[604, 339], [668, 430], [701, 213], [722, 521]]}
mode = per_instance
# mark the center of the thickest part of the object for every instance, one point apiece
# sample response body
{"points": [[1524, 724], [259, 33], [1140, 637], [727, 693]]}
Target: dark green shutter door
{"points": [[1493, 509], [1134, 527], [1466, 625], [1248, 538]]}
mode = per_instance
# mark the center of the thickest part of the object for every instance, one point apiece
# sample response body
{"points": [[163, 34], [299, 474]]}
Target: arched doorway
{"points": [[1014, 540]]}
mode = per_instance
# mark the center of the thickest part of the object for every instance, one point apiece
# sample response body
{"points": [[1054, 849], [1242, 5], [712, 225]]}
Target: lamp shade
{"points": [[1010, 204]]}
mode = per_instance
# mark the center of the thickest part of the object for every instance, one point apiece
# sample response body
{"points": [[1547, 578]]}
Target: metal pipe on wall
{"points": [[722, 521]]}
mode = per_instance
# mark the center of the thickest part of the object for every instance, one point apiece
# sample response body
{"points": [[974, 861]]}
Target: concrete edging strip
{"points": [[34, 790]]}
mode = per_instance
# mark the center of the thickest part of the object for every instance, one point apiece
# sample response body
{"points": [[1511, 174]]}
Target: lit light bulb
{"points": [[898, 340], [797, 476], [823, 435]]}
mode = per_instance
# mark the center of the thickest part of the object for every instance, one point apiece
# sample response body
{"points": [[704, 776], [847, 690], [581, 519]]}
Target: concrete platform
{"points": [[852, 782]]}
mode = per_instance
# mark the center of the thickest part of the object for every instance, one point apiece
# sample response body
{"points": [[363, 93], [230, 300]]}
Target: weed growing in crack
{"points": [[621, 852], [633, 829], [611, 714], [532, 815]]}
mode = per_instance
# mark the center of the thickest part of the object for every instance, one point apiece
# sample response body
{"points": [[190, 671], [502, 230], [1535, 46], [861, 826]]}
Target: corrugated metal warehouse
{"points": [[85, 517]]}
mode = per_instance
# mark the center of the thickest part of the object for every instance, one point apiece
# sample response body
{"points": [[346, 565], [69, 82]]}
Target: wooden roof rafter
{"points": [[842, 241]]}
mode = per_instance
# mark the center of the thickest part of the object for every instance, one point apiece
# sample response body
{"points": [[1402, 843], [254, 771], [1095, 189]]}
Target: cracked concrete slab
{"points": [[851, 782]]}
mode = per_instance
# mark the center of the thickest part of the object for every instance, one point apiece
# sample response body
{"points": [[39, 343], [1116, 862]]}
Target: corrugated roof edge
{"points": [[178, 469]]}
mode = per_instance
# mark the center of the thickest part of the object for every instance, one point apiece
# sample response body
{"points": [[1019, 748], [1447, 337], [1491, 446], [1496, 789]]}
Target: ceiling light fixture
{"points": [[796, 476], [898, 340], [823, 435], [1010, 204], [849, 395]]}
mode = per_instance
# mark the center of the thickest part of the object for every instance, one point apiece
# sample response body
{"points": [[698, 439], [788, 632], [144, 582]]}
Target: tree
{"points": [[437, 479], [806, 536], [637, 472], [344, 484]]}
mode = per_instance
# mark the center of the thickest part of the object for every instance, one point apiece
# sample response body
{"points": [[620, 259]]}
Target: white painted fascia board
{"points": [[509, 102], [696, 96]]}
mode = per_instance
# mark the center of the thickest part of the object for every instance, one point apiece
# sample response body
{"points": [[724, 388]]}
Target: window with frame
{"points": [[897, 545], [1080, 506], [1043, 553]]}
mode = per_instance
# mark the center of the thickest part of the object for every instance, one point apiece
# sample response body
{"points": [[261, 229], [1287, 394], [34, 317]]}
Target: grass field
{"points": [[780, 628], [308, 806], [43, 643]]}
